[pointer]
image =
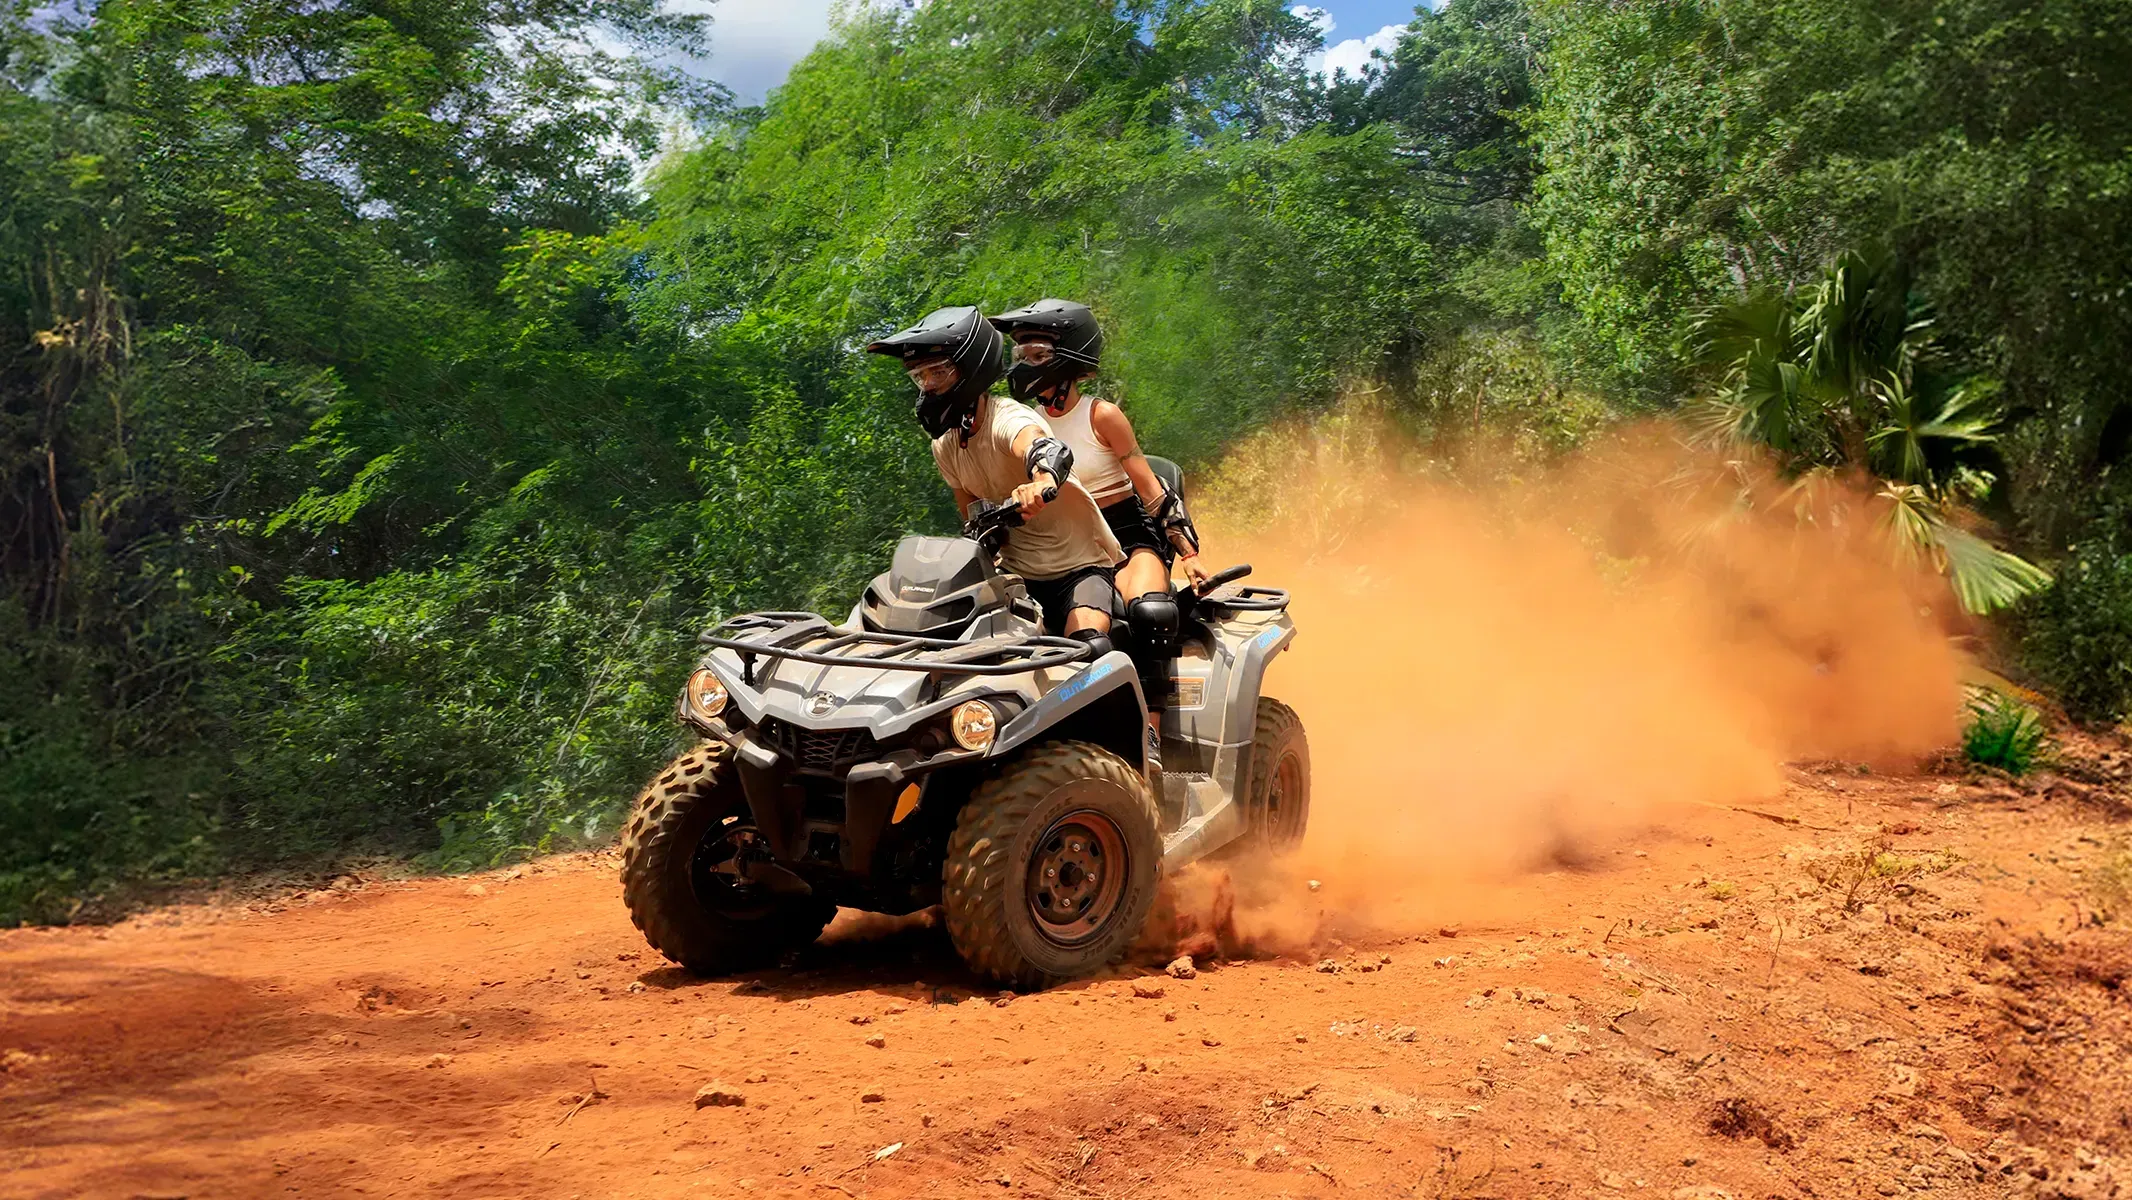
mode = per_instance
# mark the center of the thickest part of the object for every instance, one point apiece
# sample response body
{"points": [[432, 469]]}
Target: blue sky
{"points": [[754, 42]]}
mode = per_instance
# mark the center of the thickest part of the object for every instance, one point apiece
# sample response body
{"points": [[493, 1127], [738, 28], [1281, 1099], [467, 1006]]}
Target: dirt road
{"points": [[1730, 1004]]}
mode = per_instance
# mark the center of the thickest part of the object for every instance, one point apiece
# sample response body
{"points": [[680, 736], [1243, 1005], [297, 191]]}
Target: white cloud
{"points": [[1354, 53], [755, 42], [1315, 15]]}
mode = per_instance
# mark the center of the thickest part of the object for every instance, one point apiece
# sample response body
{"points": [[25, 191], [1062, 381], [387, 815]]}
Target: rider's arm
{"points": [[1111, 427], [1031, 494], [963, 501]]}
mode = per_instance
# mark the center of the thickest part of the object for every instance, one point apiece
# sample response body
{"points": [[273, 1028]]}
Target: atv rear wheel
{"points": [[1052, 866], [684, 873], [1277, 808]]}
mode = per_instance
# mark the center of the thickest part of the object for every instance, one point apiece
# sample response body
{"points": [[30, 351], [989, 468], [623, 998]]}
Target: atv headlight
{"points": [[974, 725], [706, 696]]}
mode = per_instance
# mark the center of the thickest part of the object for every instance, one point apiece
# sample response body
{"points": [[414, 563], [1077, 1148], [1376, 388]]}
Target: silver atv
{"points": [[937, 748]]}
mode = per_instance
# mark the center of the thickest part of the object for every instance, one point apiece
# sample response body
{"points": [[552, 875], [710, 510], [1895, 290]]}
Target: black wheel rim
{"points": [[1284, 800], [717, 871], [1076, 877]]}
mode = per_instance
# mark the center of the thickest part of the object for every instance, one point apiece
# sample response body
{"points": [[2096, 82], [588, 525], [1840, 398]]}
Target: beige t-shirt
{"points": [[1069, 533]]}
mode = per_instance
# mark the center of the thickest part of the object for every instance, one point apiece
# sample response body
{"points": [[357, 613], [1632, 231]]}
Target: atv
{"points": [[936, 748]]}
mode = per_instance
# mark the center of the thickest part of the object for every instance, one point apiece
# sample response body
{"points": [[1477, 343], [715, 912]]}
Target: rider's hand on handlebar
{"points": [[1193, 571], [1032, 496]]}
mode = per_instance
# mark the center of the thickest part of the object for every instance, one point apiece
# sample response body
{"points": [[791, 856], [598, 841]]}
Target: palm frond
{"points": [[1986, 578]]}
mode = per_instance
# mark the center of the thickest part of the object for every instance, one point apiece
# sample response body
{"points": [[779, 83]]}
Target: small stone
{"points": [[1699, 1191], [477, 890], [1181, 968], [703, 1027], [438, 1060], [1210, 1041], [862, 1019], [1403, 1033], [718, 1095], [877, 1041], [1384, 960], [1312, 884], [871, 1097], [1004, 1000], [635, 985], [1301, 1038], [1328, 967], [1544, 1042], [926, 1120], [895, 1009], [757, 1077], [1449, 931], [1169, 1014], [1147, 989]]}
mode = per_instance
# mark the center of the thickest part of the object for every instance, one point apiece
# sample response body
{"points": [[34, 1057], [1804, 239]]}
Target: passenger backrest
{"points": [[1169, 473]]}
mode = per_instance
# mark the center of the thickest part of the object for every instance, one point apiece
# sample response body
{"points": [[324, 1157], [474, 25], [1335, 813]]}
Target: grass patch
{"points": [[2004, 733], [1867, 874], [1722, 890], [2110, 887]]}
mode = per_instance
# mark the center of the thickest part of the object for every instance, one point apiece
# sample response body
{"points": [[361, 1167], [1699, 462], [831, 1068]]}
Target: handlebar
{"points": [[1225, 575]]}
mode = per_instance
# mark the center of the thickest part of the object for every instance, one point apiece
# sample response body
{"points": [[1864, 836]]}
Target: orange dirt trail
{"points": [[1963, 1031]]}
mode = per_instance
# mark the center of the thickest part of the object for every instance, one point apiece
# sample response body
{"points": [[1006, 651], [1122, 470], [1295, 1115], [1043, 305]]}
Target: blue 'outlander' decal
{"points": [[1268, 638], [1074, 687]]}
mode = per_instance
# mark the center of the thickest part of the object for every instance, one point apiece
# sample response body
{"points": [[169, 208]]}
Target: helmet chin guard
{"points": [[970, 344]]}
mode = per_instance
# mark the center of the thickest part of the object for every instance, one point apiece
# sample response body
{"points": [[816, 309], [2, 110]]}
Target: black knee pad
{"points": [[1097, 639], [1155, 618]]}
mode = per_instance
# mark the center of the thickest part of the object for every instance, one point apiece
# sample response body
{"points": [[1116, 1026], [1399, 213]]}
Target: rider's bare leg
{"points": [[1141, 574]]}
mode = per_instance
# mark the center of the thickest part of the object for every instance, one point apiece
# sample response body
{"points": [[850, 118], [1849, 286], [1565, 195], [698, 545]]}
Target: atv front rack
{"points": [[809, 638]]}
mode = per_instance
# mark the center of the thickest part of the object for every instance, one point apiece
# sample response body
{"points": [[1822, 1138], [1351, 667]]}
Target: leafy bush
{"points": [[2077, 637], [2004, 733]]}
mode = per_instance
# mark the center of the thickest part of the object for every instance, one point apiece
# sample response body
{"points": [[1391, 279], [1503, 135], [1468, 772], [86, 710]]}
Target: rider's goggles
{"points": [[935, 376], [1035, 352]]}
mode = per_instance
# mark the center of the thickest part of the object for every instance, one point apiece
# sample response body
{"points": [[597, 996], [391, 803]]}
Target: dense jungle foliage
{"points": [[390, 389]]}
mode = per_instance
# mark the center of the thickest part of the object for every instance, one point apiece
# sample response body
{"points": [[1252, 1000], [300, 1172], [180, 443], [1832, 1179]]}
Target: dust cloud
{"points": [[1518, 672]]}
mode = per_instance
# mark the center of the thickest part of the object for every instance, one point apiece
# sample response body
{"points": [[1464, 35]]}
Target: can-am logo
{"points": [[819, 704]]}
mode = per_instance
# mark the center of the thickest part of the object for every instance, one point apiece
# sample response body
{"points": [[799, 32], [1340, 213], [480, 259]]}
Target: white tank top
{"points": [[1094, 466]]}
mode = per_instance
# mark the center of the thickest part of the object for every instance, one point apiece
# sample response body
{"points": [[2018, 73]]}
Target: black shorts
{"points": [[1082, 587], [1135, 530]]}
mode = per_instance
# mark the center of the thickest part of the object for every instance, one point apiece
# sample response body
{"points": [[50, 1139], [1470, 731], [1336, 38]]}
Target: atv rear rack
{"points": [[809, 638]]}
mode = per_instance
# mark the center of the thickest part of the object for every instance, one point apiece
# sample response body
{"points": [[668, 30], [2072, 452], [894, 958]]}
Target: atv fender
{"points": [[1246, 680], [1076, 709]]}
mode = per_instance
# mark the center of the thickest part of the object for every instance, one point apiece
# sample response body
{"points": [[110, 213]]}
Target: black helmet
{"points": [[971, 344], [1077, 346]]}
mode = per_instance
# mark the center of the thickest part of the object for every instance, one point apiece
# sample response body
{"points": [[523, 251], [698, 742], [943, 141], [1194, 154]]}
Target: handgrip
{"points": [[1225, 575]]}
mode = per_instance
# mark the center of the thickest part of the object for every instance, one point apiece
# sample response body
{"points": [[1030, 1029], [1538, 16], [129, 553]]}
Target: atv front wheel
{"points": [[1277, 808], [684, 873], [1052, 866]]}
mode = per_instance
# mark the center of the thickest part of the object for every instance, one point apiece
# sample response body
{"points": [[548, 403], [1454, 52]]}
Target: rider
{"points": [[998, 451], [1056, 345]]}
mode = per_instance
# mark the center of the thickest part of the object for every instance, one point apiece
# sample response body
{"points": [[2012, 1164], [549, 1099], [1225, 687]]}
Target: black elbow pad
{"points": [[1050, 455], [1171, 516]]}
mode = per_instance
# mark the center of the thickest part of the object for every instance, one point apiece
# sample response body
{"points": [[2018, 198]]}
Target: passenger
{"points": [[997, 451], [1057, 344]]}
